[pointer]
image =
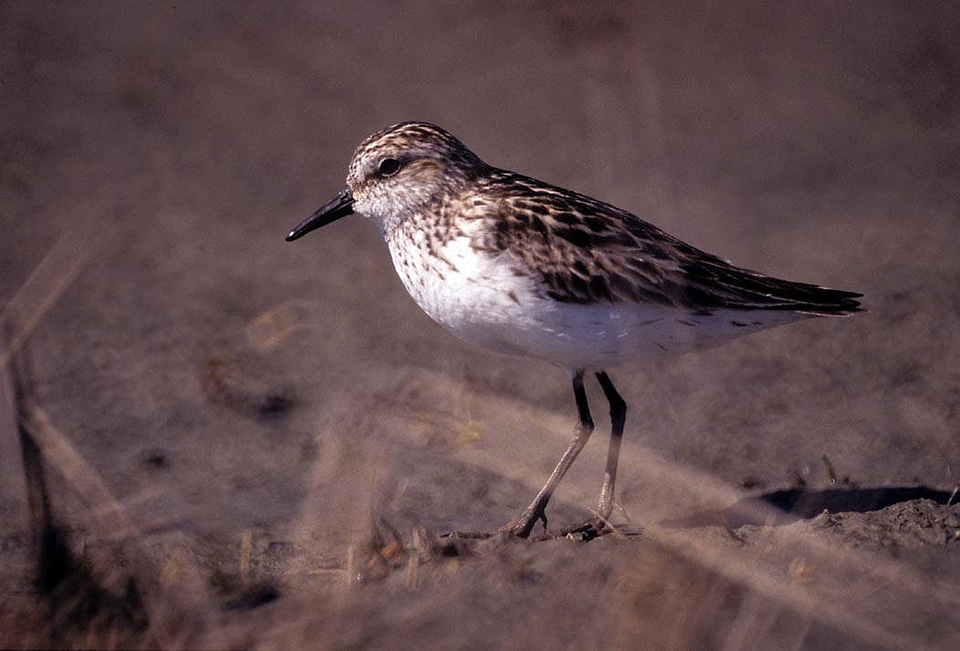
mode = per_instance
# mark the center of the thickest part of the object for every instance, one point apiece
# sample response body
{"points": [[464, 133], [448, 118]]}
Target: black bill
{"points": [[339, 206]]}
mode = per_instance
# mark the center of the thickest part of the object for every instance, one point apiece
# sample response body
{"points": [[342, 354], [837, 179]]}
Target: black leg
{"points": [[618, 415], [524, 524]]}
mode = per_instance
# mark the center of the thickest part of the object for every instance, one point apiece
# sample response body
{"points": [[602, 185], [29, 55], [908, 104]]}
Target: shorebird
{"points": [[520, 267]]}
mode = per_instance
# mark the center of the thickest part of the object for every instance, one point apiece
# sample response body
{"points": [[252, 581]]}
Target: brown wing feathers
{"points": [[587, 251]]}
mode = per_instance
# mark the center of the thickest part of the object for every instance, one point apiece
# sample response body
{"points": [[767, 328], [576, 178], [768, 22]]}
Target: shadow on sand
{"points": [[787, 506]]}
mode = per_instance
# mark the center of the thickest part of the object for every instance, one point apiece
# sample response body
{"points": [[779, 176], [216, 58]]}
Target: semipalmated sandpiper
{"points": [[524, 268]]}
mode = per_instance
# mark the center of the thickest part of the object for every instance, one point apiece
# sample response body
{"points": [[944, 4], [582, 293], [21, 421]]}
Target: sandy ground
{"points": [[248, 443]]}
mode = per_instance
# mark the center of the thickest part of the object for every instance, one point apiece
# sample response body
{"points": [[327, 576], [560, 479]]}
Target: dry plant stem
{"points": [[38, 499], [59, 452], [21, 315]]}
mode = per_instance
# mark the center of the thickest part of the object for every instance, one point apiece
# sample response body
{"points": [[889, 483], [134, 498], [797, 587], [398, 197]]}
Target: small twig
{"points": [[831, 475], [351, 565], [609, 525], [246, 542]]}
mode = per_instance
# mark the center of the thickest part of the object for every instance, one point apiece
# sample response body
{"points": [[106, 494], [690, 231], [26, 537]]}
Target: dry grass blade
{"points": [[58, 451], [42, 290]]}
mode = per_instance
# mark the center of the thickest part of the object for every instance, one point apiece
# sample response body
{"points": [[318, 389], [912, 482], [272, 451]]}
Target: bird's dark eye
{"points": [[388, 167]]}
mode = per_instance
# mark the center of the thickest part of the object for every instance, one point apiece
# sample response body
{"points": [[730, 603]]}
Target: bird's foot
{"points": [[583, 531], [514, 529], [521, 528]]}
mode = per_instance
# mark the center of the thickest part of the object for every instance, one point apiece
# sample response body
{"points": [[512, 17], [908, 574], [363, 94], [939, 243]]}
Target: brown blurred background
{"points": [[254, 406]]}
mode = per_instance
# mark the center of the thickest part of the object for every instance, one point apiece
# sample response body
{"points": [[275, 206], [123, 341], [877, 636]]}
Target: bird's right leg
{"points": [[524, 523]]}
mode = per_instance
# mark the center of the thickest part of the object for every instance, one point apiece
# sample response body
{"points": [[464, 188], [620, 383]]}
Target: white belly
{"points": [[481, 300]]}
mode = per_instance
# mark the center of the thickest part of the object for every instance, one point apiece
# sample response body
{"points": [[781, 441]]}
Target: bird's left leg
{"points": [[618, 416]]}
